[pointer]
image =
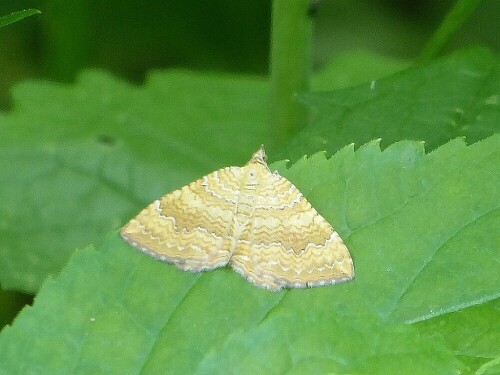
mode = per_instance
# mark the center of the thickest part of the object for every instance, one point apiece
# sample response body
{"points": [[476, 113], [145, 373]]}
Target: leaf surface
{"points": [[451, 97], [77, 161], [402, 214]]}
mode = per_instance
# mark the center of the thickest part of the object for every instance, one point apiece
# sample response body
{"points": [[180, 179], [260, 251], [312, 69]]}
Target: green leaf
{"points": [[448, 98], [490, 368], [77, 161], [17, 16], [471, 332], [421, 209], [412, 223]]}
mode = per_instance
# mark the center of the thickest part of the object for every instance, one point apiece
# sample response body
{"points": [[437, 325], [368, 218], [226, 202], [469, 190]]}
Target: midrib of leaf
{"points": [[147, 353]]}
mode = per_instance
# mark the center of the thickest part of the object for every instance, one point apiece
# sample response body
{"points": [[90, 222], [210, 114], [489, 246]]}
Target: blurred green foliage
{"points": [[17, 16], [129, 37]]}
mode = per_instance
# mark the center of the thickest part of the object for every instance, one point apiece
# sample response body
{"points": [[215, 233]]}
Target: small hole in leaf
{"points": [[105, 139]]}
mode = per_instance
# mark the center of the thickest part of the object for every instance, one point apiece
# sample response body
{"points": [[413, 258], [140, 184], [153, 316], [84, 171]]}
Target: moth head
{"points": [[260, 156]]}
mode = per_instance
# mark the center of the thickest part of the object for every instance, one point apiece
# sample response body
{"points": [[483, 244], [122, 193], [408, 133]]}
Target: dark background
{"points": [[129, 37]]}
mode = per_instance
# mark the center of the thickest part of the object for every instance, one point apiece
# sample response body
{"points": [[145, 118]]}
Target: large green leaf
{"points": [[78, 160], [421, 232], [448, 98]]}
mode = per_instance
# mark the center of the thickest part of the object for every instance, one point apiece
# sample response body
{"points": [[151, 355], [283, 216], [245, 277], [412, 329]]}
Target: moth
{"points": [[249, 218]]}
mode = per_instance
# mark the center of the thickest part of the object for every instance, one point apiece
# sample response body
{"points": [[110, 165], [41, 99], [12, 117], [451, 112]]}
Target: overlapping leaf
{"points": [[77, 161], [403, 214], [448, 98]]}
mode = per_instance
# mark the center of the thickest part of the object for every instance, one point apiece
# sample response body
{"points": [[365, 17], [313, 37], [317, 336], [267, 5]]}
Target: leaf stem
{"points": [[455, 18], [291, 45]]}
